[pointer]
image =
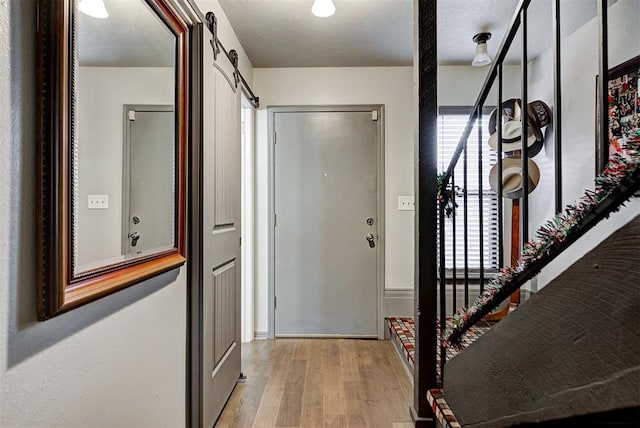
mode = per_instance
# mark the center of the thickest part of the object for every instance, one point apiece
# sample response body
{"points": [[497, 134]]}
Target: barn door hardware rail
{"points": [[232, 56], [211, 22]]}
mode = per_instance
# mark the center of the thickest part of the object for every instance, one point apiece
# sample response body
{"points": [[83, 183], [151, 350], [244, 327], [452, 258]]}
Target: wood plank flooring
{"points": [[320, 383]]}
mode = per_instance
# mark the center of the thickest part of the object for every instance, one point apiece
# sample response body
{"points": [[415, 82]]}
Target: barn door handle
{"points": [[371, 240]]}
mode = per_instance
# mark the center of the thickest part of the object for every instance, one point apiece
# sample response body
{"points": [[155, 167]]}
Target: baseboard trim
{"points": [[420, 422], [400, 302], [260, 335], [328, 336]]}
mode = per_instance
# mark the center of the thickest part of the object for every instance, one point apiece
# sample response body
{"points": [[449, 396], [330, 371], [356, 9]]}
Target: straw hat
{"points": [[512, 177]]}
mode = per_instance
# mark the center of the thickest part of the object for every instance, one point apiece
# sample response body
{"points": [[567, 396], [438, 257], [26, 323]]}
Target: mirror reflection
{"points": [[124, 149]]}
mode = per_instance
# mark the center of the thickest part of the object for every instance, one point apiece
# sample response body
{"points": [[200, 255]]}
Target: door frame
{"points": [[248, 204], [126, 160], [380, 205]]}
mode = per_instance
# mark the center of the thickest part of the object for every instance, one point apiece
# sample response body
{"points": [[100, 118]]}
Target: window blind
{"points": [[451, 124]]}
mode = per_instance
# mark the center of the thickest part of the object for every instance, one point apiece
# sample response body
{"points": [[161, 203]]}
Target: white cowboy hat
{"points": [[511, 136], [512, 177]]}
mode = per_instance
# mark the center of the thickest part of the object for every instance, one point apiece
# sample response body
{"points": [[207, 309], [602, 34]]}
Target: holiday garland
{"points": [[445, 196], [551, 234]]}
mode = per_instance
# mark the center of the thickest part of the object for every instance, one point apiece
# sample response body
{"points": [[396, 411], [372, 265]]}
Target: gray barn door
{"points": [[221, 294], [326, 194], [149, 180]]}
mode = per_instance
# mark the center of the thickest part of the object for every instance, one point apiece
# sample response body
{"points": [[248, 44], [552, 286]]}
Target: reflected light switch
{"points": [[406, 203], [98, 202]]}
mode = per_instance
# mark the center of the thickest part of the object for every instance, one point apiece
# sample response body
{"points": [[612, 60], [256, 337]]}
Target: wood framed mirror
{"points": [[112, 146]]}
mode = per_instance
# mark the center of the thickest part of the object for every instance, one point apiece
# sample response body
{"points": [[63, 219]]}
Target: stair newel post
{"points": [[426, 216]]}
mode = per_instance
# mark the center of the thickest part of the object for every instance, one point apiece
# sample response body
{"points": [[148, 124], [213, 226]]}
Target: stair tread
{"points": [[441, 409], [402, 331]]}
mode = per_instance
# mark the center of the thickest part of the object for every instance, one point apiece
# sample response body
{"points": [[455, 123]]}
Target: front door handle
{"points": [[134, 238], [371, 240]]}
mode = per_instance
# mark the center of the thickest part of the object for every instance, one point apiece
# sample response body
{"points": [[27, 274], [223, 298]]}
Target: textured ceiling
{"points": [[132, 36], [284, 33]]}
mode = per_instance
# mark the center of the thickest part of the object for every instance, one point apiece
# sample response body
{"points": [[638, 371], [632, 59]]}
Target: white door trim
{"points": [[247, 220], [271, 111]]}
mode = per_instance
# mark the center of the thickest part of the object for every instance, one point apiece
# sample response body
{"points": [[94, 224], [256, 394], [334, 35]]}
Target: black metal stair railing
{"points": [[448, 197]]}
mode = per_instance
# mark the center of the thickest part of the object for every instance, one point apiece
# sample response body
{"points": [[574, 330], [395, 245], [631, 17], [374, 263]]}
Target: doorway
{"points": [[148, 182], [327, 241]]}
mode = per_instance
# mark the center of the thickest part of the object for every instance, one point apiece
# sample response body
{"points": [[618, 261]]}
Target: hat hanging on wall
{"points": [[511, 132], [538, 116], [512, 177], [510, 111]]}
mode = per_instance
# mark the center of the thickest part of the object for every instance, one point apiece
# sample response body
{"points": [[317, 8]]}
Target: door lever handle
{"points": [[134, 238], [371, 240]]}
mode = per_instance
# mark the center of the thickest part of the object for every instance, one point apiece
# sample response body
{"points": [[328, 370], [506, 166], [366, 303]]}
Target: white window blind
{"points": [[451, 124]]}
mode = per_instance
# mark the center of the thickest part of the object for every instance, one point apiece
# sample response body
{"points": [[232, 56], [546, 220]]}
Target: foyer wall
{"points": [[119, 361], [116, 362]]}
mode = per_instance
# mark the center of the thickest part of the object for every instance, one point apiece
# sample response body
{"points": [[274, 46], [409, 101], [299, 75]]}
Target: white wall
{"points": [[116, 362], [102, 93], [459, 85], [579, 70], [391, 86]]}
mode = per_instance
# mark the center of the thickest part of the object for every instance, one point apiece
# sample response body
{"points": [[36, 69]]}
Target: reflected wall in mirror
{"points": [[113, 146], [125, 59]]}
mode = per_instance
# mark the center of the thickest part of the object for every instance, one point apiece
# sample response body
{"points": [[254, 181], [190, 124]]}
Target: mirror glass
{"points": [[124, 134]]}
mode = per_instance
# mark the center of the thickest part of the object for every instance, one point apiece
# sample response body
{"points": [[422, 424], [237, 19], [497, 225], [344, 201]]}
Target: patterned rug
{"points": [[402, 331]]}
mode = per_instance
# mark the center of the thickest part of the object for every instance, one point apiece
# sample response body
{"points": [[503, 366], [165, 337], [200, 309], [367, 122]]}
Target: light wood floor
{"points": [[320, 383]]}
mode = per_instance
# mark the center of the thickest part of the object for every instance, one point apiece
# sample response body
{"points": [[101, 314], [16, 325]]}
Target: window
{"points": [[451, 124]]}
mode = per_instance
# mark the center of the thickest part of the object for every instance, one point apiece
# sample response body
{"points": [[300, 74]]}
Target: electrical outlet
{"points": [[98, 202], [406, 203]]}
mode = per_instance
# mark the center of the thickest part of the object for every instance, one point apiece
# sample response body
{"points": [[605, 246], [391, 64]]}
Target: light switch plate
{"points": [[406, 203], [98, 202]]}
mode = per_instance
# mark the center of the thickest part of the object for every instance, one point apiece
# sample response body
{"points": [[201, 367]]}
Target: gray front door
{"points": [[326, 205], [221, 293], [149, 180]]}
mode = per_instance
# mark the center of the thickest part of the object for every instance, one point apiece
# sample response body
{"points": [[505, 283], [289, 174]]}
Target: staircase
{"points": [[570, 355], [571, 350]]}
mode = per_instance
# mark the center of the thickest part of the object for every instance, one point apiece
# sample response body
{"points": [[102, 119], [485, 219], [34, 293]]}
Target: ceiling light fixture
{"points": [[482, 57], [323, 8], [94, 8]]}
